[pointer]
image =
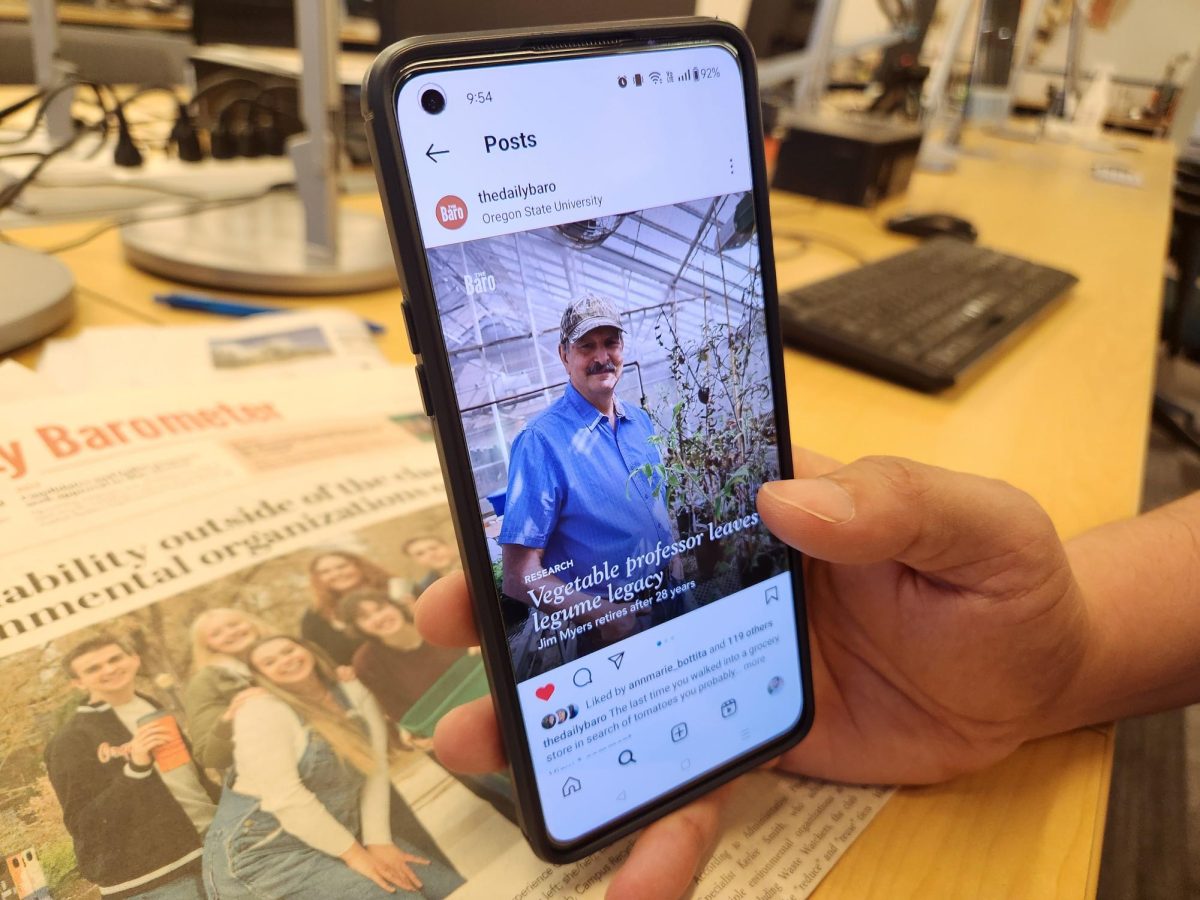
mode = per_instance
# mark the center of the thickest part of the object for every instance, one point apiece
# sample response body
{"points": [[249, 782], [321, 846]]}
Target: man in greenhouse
{"points": [[585, 519]]}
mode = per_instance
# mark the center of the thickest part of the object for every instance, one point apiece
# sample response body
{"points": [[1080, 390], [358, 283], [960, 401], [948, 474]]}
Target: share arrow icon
{"points": [[616, 658]]}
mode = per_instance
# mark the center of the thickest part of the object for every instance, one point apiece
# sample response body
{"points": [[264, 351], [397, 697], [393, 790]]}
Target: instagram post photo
{"points": [[613, 384]]}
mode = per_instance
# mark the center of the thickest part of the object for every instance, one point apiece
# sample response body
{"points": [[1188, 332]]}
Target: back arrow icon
{"points": [[434, 154]]}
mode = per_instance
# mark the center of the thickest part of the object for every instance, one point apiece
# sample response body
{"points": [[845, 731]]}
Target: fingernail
{"points": [[820, 497]]}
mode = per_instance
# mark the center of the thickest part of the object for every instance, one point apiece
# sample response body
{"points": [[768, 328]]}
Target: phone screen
{"points": [[591, 239]]}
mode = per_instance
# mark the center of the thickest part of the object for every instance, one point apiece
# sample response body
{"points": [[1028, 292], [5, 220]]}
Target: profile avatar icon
{"points": [[559, 716], [451, 212]]}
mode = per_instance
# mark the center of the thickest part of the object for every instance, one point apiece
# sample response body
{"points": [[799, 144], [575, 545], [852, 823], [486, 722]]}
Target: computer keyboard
{"points": [[920, 318]]}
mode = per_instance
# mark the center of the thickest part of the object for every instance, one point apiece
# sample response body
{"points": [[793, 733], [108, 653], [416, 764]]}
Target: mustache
{"points": [[601, 368]]}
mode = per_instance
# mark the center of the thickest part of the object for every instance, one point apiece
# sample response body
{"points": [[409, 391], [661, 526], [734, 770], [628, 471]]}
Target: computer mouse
{"points": [[933, 224]]}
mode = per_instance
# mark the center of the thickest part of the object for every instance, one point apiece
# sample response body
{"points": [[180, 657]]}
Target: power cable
{"points": [[174, 213]]}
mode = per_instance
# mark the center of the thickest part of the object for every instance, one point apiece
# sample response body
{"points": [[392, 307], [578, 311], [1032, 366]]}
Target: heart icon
{"points": [[544, 692]]}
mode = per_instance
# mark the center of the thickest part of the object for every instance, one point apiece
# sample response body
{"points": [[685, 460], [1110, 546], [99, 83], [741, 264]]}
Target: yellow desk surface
{"points": [[113, 17], [1063, 414]]}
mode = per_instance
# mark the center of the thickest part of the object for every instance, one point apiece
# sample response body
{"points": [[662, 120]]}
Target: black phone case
{"points": [[437, 387]]}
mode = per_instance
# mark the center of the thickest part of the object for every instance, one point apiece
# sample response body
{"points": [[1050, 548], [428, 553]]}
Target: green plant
{"points": [[717, 438], [498, 575]]}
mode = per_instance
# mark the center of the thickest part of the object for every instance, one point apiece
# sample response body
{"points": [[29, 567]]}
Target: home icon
{"points": [[571, 785]]}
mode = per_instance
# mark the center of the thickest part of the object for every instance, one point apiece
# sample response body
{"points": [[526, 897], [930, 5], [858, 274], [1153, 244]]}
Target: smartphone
{"points": [[580, 220]]}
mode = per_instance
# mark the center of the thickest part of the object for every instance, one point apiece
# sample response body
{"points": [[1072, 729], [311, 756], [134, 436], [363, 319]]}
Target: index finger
{"points": [[403, 877], [444, 614]]}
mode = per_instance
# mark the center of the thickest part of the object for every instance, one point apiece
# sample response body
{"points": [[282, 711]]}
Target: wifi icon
{"points": [[655, 78]]}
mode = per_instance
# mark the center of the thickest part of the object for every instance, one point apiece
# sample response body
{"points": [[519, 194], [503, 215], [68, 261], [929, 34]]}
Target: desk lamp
{"points": [[808, 69], [39, 291], [50, 70], [1004, 43], [38, 296], [283, 243]]}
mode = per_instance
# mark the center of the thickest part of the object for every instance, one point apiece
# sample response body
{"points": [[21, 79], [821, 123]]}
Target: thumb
{"points": [[957, 527]]}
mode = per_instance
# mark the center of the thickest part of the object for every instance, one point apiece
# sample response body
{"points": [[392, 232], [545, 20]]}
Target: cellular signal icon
{"points": [[686, 76], [656, 78]]}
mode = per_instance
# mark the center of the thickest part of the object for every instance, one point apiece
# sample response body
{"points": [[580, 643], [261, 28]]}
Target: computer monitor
{"points": [[272, 23], [776, 27], [399, 19], [260, 23]]}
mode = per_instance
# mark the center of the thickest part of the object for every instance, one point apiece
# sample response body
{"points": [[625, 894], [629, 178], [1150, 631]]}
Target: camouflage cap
{"points": [[585, 313]]}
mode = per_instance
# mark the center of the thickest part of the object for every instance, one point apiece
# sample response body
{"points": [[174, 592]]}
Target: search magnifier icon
{"points": [[625, 757]]}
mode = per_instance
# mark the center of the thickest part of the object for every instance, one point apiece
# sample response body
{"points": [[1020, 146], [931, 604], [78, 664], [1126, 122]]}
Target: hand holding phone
{"points": [[930, 680], [582, 225]]}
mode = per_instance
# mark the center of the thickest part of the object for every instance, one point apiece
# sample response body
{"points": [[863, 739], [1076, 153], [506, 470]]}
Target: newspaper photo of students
{"points": [[614, 384], [199, 747], [221, 680], [311, 812], [334, 575]]}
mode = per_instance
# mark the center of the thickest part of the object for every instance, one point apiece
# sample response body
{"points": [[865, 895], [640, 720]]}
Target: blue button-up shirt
{"points": [[574, 489]]}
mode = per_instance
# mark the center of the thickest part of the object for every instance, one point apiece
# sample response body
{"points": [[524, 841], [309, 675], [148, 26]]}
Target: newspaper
{"points": [[19, 383], [286, 343], [164, 523], [780, 836]]}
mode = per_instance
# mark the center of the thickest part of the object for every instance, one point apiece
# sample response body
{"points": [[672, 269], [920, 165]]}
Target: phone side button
{"points": [[408, 327], [423, 386]]}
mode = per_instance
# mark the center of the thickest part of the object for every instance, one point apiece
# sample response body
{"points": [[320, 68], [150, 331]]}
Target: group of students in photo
{"points": [[303, 733]]}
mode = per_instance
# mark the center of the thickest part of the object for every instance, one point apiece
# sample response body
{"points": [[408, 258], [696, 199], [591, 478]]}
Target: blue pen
{"points": [[234, 308]]}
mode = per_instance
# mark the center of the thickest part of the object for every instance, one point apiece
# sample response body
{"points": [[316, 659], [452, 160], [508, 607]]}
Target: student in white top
{"points": [[309, 811]]}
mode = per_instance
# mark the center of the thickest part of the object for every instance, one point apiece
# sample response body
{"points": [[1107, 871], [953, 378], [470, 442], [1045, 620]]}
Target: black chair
{"points": [[1175, 416]]}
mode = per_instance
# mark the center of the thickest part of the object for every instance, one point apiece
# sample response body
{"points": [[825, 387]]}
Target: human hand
{"points": [[362, 861], [666, 855], [394, 864], [944, 618], [345, 673], [148, 738], [239, 699]]}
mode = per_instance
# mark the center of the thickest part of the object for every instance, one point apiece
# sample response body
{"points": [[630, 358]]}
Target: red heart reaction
{"points": [[544, 692]]}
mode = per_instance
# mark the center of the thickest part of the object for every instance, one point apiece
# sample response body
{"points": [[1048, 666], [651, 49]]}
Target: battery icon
{"points": [[696, 73]]}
